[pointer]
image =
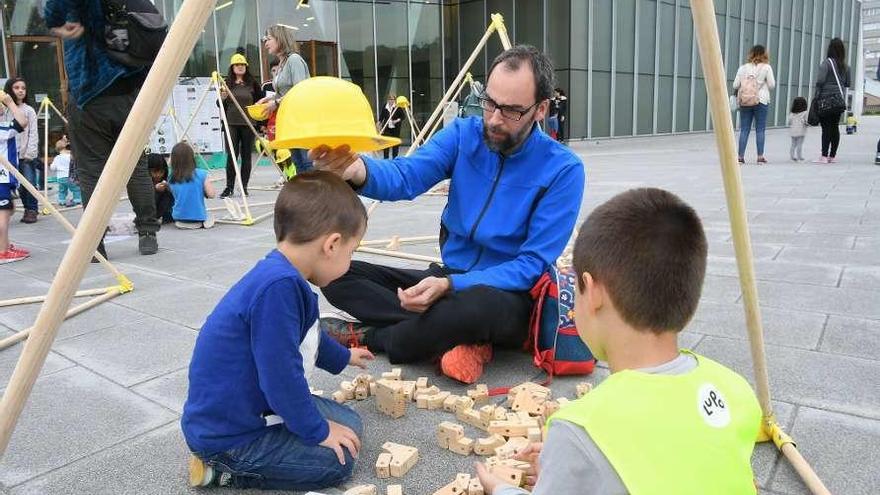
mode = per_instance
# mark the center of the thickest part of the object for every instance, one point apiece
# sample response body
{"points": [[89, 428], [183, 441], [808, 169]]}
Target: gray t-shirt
{"points": [[572, 463], [293, 70]]}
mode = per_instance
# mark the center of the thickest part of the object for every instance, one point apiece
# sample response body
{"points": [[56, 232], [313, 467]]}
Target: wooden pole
{"points": [[46, 153], [397, 254], [238, 181], [57, 112], [402, 240], [106, 295], [58, 216], [37, 299], [436, 125], [181, 39], [706, 27]]}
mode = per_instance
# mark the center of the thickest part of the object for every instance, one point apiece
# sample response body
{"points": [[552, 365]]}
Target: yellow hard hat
{"points": [[238, 59], [282, 155], [402, 102], [257, 111], [327, 111]]}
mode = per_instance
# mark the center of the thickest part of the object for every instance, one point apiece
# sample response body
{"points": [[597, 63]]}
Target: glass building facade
{"points": [[629, 67]]}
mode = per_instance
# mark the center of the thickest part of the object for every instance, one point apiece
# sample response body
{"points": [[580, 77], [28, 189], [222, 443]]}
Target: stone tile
{"points": [[840, 301], [189, 305], [780, 271], [826, 381], [9, 359], [861, 277], [842, 449], [766, 455], [223, 275], [759, 251], [132, 353], [852, 336], [867, 243], [169, 390], [720, 289], [72, 414], [781, 327], [847, 257], [805, 240], [101, 316]]}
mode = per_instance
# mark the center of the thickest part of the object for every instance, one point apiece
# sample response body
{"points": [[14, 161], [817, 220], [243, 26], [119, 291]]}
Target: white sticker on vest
{"points": [[712, 406]]}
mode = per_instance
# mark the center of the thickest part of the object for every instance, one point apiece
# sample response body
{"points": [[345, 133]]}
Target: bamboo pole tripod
{"points": [[104, 294], [703, 12], [495, 26], [178, 45]]}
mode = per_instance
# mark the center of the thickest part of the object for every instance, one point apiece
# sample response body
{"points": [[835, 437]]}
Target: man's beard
{"points": [[508, 143]]}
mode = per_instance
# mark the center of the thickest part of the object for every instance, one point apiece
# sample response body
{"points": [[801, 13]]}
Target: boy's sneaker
{"points": [[465, 362], [11, 256], [200, 473], [347, 333], [147, 243]]}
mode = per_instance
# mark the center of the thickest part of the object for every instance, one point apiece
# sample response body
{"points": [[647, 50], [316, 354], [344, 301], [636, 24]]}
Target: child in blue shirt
{"points": [[190, 186], [250, 419]]}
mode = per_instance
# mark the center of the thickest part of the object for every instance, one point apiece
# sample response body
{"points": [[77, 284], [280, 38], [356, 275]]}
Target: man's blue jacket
{"points": [[508, 217]]}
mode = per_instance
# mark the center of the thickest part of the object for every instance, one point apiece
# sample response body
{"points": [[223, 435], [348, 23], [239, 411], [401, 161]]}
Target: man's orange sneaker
{"points": [[465, 362]]}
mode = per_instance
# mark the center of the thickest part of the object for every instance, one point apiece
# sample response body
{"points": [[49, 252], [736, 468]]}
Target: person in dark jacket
{"points": [[513, 201], [833, 78], [391, 121], [246, 91], [103, 92], [561, 113]]}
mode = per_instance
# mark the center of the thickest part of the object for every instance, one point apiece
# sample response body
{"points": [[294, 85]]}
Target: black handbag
{"points": [[813, 114], [832, 105], [134, 31]]}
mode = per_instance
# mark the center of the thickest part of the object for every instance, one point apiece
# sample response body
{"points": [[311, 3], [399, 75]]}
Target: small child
{"points": [[162, 193], [250, 414], [8, 183], [797, 127], [190, 186], [61, 166], [852, 125], [666, 420]]}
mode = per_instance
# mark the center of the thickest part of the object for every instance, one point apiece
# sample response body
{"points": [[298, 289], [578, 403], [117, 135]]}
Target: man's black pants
{"points": [[93, 132], [477, 315]]}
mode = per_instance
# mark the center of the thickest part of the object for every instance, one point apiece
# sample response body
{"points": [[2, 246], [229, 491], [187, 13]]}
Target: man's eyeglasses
{"points": [[510, 113]]}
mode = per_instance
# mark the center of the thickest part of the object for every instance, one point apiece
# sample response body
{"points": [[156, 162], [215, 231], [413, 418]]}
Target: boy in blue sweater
{"points": [[250, 419]]}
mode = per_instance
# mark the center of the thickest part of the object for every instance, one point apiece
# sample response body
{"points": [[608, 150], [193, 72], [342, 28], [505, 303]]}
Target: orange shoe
{"points": [[465, 362]]}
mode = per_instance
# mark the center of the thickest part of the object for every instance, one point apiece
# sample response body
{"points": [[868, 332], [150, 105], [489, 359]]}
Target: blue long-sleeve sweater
{"points": [[90, 70], [508, 217], [247, 362]]}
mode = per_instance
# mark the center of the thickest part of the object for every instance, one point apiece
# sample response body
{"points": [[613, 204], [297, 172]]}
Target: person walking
{"points": [[831, 82], [390, 120], [103, 92], [280, 42], [27, 143], [246, 90], [561, 112], [753, 82]]}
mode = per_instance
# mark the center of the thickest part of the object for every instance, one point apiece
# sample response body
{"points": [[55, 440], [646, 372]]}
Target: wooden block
{"points": [[362, 392], [395, 374], [511, 448], [530, 403], [462, 481], [390, 399], [487, 413], [512, 428], [373, 388], [348, 389], [582, 389], [500, 413], [383, 466], [563, 401], [432, 390], [508, 474], [462, 446], [409, 390], [436, 401], [449, 403], [472, 418], [362, 490], [534, 435], [447, 432], [479, 394], [394, 490], [422, 401], [532, 387], [550, 408], [486, 446], [475, 487], [338, 396], [464, 403], [422, 382], [403, 458], [450, 489]]}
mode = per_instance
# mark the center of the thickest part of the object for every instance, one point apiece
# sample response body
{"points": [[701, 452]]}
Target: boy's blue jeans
{"points": [[278, 460], [758, 114], [32, 170]]}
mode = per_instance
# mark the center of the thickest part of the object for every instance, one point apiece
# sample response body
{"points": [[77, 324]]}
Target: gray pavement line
{"points": [[172, 322], [840, 276], [779, 457], [858, 358], [99, 451], [156, 377], [46, 375], [822, 335]]}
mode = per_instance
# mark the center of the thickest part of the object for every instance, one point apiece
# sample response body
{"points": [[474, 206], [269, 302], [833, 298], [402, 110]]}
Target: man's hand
{"points": [[340, 161], [424, 294], [489, 481], [360, 357], [69, 31], [341, 436], [531, 454]]}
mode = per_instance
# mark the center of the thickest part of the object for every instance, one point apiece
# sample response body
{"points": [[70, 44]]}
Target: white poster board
{"points": [[205, 132]]}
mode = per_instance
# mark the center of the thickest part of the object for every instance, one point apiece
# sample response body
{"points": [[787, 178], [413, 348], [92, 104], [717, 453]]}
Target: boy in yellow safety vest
{"points": [[667, 421]]}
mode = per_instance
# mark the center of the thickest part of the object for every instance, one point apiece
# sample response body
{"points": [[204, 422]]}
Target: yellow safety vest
{"points": [[674, 434]]}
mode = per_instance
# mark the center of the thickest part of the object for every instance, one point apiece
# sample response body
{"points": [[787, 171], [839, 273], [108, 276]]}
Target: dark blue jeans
{"points": [[758, 114], [32, 170], [301, 160], [279, 460]]}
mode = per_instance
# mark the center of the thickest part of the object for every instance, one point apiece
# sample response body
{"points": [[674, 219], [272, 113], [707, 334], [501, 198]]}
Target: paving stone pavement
{"points": [[103, 418]]}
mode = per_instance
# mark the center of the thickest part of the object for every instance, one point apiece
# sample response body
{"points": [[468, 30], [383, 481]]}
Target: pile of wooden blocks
{"points": [[396, 461], [362, 387], [372, 490], [464, 484]]}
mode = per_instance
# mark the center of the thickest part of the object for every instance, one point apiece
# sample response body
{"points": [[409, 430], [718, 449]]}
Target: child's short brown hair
{"points": [[316, 203], [648, 248]]}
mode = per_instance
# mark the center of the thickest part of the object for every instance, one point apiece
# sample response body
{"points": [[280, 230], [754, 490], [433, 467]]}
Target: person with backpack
{"points": [[104, 83], [830, 98], [753, 82]]}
